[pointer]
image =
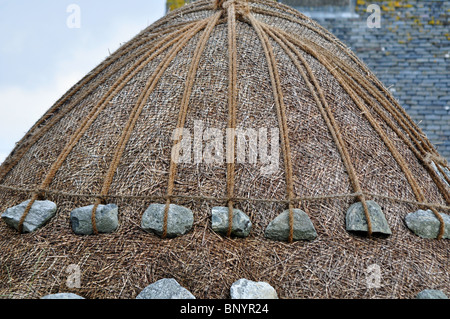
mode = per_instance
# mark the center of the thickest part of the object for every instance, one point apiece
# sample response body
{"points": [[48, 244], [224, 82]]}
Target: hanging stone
{"points": [[279, 228], [431, 294], [106, 219], [247, 289], [425, 224], [241, 226], [165, 289], [179, 221], [40, 213], [356, 218]]}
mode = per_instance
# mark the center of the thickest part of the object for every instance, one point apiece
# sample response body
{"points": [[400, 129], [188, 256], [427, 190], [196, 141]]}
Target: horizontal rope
{"points": [[225, 199]]}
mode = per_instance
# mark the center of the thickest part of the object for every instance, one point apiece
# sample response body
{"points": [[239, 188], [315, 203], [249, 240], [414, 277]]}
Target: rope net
{"points": [[227, 65]]}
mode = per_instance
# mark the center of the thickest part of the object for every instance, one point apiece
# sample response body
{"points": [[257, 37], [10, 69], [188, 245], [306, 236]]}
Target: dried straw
{"points": [[230, 64]]}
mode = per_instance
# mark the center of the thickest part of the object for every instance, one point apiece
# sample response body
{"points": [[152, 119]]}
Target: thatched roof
{"points": [[227, 64]]}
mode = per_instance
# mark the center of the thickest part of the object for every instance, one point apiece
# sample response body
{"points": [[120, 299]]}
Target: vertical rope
{"points": [[137, 110], [405, 123], [423, 151], [304, 21], [54, 115], [120, 83], [232, 101], [415, 132], [282, 120], [325, 34], [397, 156], [184, 107], [101, 105], [218, 4], [441, 221], [419, 153], [27, 209], [327, 115]]}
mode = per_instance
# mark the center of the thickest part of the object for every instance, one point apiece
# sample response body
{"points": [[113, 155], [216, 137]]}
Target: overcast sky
{"points": [[47, 46]]}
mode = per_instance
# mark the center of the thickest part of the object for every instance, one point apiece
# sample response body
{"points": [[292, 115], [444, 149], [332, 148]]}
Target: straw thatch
{"points": [[255, 64]]}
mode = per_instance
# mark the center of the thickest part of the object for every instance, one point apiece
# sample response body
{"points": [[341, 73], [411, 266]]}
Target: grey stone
{"points": [[106, 219], [62, 296], [247, 289], [165, 289], [446, 171], [278, 229], [40, 213], [426, 225], [179, 221], [356, 219], [241, 226], [431, 294]]}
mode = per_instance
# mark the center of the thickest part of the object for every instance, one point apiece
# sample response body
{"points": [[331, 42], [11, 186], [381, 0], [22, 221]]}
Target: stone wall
{"points": [[410, 54]]}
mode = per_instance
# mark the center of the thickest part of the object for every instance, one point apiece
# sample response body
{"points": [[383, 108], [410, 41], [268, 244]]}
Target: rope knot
{"points": [[435, 158], [222, 4], [101, 199], [241, 6], [41, 193], [226, 4]]}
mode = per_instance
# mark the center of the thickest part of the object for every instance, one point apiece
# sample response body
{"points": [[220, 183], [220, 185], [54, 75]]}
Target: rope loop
{"points": [[219, 4], [41, 193], [101, 199], [241, 6], [429, 157]]}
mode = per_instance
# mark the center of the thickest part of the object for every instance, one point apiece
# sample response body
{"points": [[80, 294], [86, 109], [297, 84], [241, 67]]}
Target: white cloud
{"points": [[22, 104], [20, 109]]}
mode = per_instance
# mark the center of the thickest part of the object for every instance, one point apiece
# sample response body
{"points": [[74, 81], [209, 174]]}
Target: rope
{"points": [[327, 116], [418, 153], [323, 33], [405, 123], [345, 75], [219, 4], [397, 156], [441, 221], [184, 107], [282, 120], [54, 115], [349, 74], [92, 116], [185, 10], [232, 97], [118, 85], [306, 22], [49, 192], [137, 110], [27, 209]]}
